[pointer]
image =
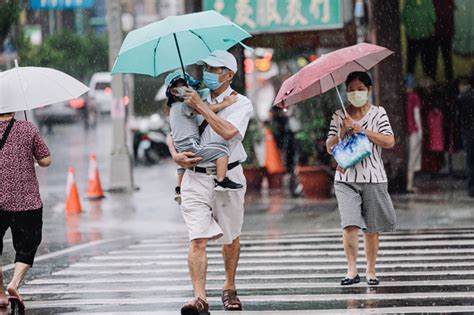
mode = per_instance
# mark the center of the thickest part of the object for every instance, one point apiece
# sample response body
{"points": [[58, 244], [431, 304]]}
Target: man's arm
{"points": [[222, 127], [183, 159]]}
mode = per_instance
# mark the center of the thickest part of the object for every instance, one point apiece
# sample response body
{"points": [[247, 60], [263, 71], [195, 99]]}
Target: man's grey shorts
{"points": [[366, 205]]}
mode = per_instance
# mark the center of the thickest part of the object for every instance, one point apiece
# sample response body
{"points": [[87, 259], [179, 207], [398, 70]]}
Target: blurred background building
{"points": [[71, 35]]}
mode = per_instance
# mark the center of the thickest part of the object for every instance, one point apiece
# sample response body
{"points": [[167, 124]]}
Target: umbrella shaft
{"points": [[179, 55], [339, 95]]}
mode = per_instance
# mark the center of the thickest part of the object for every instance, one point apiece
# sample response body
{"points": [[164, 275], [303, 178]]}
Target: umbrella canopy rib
{"points": [[200, 37], [355, 61], [21, 85], [154, 57], [61, 85]]}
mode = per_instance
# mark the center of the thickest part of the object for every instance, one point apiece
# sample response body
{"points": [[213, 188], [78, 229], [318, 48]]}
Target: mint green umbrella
{"points": [[176, 41]]}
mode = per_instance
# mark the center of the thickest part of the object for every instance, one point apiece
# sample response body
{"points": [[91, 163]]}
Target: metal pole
{"points": [[120, 175]]}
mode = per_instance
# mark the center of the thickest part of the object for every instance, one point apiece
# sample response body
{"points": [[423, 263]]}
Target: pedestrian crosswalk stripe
{"points": [[51, 289], [382, 310], [257, 298], [246, 253], [335, 238], [316, 246], [263, 277], [334, 233], [125, 261], [132, 269], [70, 250], [416, 267]]}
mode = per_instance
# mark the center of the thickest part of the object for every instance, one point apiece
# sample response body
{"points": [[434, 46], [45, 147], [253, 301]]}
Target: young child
{"points": [[185, 130]]}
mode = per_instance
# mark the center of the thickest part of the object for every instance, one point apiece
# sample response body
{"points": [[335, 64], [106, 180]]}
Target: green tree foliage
{"points": [[253, 137], [315, 116], [79, 56], [9, 15]]}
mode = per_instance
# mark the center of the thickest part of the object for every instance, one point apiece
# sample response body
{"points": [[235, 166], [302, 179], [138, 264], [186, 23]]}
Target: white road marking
{"points": [[338, 246], [67, 288], [335, 238], [158, 260], [384, 252], [253, 269], [259, 298], [257, 277], [69, 250]]}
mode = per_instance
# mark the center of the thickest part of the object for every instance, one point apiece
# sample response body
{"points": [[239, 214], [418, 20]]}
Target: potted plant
{"points": [[314, 163], [252, 168]]}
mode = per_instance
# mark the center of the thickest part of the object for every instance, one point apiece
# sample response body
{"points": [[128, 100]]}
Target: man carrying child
{"points": [[209, 213]]}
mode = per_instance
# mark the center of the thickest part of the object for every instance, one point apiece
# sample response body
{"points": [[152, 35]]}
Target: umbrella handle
{"points": [[339, 95]]}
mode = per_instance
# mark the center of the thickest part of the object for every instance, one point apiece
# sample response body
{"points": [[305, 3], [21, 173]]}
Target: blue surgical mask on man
{"points": [[211, 80]]}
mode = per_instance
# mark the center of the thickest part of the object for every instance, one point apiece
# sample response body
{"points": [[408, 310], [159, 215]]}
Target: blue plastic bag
{"points": [[352, 150]]}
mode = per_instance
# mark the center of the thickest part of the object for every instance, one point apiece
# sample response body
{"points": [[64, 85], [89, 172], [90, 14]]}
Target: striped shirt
{"points": [[371, 169]]}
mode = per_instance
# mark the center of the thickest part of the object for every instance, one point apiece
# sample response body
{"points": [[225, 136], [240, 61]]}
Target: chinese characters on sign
{"points": [[261, 16]]}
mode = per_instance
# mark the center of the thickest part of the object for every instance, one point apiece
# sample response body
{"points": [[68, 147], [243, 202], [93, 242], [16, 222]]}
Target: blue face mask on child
{"points": [[211, 80]]}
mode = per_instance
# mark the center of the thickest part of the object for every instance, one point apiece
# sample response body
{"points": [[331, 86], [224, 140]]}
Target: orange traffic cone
{"points": [[273, 162], [94, 189], [73, 204]]}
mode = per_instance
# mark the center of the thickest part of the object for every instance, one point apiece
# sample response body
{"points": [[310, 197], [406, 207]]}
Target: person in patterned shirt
{"points": [[361, 190], [21, 208]]}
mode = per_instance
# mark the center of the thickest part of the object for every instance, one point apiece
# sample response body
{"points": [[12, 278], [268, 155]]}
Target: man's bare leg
{"points": [[197, 262], [20, 272], [231, 254], [221, 167], [350, 237], [3, 298], [371, 241]]}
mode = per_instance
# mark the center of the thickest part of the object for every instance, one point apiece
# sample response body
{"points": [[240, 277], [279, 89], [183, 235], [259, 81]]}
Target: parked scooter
{"points": [[149, 140]]}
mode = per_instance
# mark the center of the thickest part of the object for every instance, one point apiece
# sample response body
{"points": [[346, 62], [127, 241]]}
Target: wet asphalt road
{"points": [[127, 253]]}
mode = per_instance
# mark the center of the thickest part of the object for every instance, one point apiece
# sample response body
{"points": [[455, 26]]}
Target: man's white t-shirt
{"points": [[238, 114]]}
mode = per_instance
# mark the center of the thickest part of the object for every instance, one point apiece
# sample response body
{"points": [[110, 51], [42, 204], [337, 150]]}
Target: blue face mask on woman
{"points": [[211, 80]]}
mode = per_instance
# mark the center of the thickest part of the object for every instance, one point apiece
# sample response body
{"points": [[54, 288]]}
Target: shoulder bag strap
{"points": [[6, 133], [203, 126]]}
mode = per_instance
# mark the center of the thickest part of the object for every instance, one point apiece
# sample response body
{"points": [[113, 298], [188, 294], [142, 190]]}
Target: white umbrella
{"points": [[161, 94], [24, 88]]}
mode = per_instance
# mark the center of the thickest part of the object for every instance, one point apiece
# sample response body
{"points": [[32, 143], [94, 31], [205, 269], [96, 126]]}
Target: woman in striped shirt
{"points": [[361, 191]]}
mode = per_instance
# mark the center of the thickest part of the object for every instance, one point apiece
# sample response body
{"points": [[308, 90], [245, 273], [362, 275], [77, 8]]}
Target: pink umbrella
{"points": [[328, 71]]}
